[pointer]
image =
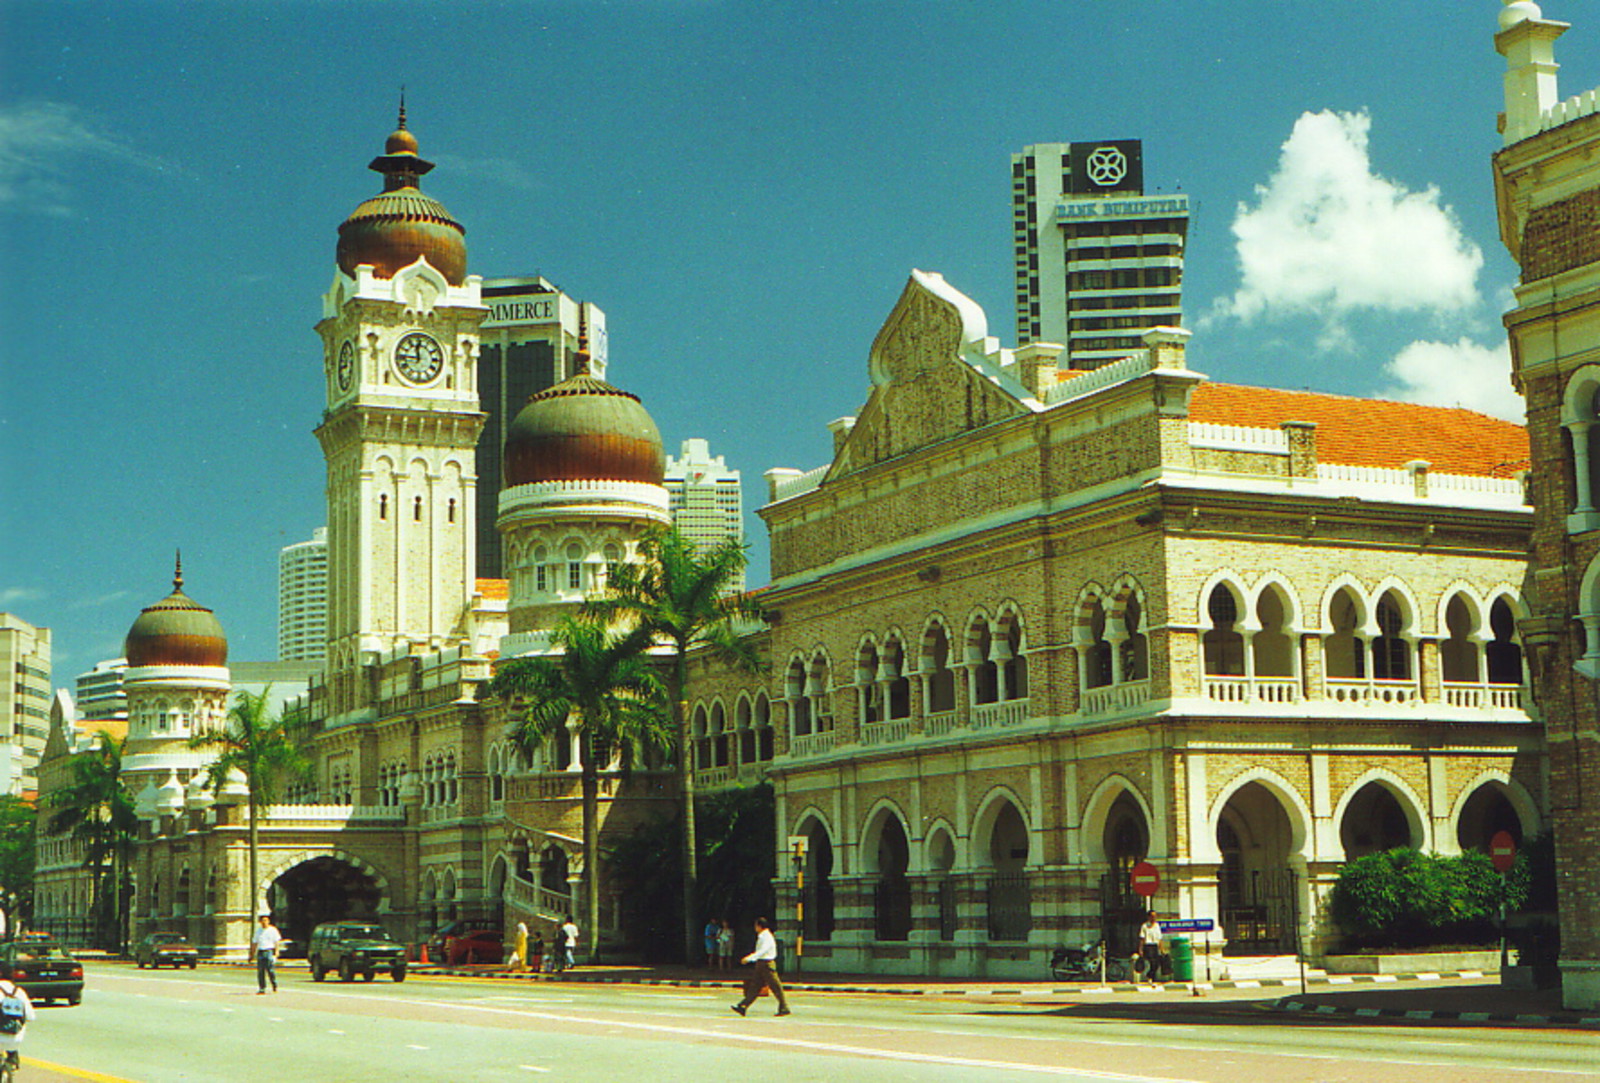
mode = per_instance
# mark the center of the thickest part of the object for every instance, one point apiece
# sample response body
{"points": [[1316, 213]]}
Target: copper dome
{"points": [[393, 228], [176, 631], [583, 429]]}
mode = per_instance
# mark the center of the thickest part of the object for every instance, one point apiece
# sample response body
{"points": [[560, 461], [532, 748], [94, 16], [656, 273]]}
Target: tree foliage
{"points": [[1406, 898], [18, 819], [95, 808], [602, 688], [684, 595]]}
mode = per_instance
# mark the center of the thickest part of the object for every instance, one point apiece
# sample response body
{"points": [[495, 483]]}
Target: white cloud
{"points": [[1460, 373], [1326, 235], [13, 595], [40, 143]]}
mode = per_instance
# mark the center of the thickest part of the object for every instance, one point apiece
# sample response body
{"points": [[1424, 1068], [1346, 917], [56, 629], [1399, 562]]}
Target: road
{"points": [[208, 1025]]}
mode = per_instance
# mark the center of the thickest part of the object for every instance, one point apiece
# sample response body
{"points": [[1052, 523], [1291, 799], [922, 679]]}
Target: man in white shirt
{"points": [[766, 975], [264, 947], [569, 943]]}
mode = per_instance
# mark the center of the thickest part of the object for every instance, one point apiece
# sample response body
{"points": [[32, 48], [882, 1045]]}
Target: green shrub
{"points": [[1405, 898]]}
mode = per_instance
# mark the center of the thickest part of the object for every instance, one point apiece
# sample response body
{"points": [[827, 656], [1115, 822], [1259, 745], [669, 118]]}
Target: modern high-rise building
{"points": [[1098, 262], [705, 503], [528, 343], [24, 701], [100, 692], [303, 599]]}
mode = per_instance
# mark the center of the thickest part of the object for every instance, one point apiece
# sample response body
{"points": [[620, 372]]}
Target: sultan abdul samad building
{"points": [[1027, 627]]}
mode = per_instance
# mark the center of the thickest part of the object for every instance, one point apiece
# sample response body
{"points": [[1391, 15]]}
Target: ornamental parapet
{"points": [[536, 498]]}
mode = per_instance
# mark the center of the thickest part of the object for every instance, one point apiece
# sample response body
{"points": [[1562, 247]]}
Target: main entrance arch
{"points": [[323, 888]]}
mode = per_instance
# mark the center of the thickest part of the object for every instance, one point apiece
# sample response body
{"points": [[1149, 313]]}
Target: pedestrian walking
{"points": [[522, 947], [766, 973], [264, 947], [569, 943], [1150, 946], [724, 945], [16, 1012]]}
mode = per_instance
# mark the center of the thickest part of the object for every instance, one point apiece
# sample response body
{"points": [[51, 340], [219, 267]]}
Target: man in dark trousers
{"points": [[766, 975]]}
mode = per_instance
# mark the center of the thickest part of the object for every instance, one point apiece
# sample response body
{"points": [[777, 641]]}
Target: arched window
{"points": [[1344, 650], [819, 687], [869, 690], [1504, 653], [719, 735], [984, 672], [1223, 642], [763, 726], [574, 566], [1458, 650], [698, 727], [1391, 650], [541, 569], [794, 693], [1014, 665], [893, 668], [939, 680], [744, 731], [1272, 648], [1135, 648], [1096, 656]]}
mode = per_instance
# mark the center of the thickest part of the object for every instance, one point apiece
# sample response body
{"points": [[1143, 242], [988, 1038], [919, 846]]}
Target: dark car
{"points": [[166, 949], [44, 969], [355, 947], [483, 946]]}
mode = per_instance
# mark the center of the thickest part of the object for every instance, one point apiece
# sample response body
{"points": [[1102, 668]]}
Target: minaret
{"points": [[1547, 192], [400, 343]]}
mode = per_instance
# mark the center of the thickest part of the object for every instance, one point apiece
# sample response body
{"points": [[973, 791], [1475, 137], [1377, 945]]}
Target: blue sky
{"points": [[744, 189]]}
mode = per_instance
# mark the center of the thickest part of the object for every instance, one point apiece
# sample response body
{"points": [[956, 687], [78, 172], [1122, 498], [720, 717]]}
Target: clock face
{"points": [[347, 366], [418, 357]]}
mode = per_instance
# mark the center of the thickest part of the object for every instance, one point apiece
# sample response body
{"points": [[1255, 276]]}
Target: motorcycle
{"points": [[1084, 964]]}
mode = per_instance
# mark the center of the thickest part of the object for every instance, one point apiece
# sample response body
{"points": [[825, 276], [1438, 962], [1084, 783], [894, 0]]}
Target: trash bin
{"points": [[1182, 959]]}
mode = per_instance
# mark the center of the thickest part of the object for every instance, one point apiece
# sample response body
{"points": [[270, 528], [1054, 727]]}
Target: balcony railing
{"points": [[1252, 689], [939, 723], [1371, 692], [536, 897], [884, 733], [812, 744], [1470, 694], [1009, 713], [1114, 697]]}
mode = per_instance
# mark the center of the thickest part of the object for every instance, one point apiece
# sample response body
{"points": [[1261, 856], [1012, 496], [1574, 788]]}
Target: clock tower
{"points": [[399, 344]]}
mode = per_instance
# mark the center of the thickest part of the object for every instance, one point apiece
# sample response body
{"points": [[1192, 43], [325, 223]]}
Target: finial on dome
{"points": [[177, 571], [581, 361], [402, 124], [1518, 11]]}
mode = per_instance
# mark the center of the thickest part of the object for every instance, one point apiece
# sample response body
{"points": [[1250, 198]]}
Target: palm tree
{"points": [[99, 812], [261, 747], [600, 687], [684, 595]]}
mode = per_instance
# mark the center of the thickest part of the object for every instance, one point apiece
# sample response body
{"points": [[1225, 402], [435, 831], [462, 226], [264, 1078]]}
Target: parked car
{"points": [[483, 946], [44, 968], [355, 947], [166, 949], [438, 943]]}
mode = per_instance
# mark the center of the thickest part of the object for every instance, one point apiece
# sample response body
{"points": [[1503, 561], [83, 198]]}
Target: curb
{"points": [[1289, 1004]]}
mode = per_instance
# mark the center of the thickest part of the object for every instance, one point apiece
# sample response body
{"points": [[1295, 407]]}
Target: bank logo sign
{"points": [[1112, 166]]}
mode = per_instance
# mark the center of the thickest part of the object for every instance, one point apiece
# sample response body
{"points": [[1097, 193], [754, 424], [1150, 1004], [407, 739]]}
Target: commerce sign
{"points": [[1188, 925], [1085, 210]]}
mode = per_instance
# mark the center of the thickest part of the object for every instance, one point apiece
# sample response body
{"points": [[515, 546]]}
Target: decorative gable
{"points": [[935, 374]]}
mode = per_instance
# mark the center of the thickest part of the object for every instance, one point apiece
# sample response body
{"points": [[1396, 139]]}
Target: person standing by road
{"points": [[766, 975], [569, 944], [709, 935], [724, 945], [16, 1012], [521, 957], [1150, 946], [264, 947]]}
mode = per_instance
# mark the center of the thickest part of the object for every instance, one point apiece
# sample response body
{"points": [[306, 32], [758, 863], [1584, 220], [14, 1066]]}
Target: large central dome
{"points": [[393, 228], [583, 429]]}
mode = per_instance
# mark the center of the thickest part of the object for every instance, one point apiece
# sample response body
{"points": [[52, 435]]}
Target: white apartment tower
{"points": [[101, 695], [24, 701], [705, 503], [1098, 262], [303, 599]]}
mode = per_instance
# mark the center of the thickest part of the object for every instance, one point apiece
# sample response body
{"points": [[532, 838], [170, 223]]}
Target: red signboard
{"points": [[1144, 878], [1503, 851]]}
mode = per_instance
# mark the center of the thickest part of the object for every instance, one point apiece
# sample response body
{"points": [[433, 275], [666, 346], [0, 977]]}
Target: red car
{"points": [[484, 946]]}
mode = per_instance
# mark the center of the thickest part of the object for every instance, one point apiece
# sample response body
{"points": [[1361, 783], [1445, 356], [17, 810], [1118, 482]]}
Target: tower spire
{"points": [[580, 362], [401, 126], [177, 571]]}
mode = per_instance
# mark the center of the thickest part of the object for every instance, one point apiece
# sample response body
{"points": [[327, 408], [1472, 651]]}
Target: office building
{"points": [[24, 701], [100, 691], [705, 502], [529, 340], [303, 599], [1098, 262]]}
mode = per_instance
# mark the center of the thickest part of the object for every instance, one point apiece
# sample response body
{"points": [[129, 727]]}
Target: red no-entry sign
{"points": [[1503, 851], [1144, 878]]}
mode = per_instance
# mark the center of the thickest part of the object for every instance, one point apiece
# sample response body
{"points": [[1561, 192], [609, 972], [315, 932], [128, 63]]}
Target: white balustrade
{"points": [[1371, 692], [938, 724], [1252, 689], [1114, 697], [812, 744], [884, 733], [1008, 713]]}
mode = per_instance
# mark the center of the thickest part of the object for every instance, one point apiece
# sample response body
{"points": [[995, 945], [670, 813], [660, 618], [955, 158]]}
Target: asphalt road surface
{"points": [[209, 1025]]}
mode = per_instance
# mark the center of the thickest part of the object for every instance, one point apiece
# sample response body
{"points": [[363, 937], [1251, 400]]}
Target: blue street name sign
{"points": [[1188, 925]]}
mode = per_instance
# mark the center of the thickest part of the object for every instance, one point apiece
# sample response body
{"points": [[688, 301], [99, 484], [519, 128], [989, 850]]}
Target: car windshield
{"points": [[166, 938], [365, 932]]}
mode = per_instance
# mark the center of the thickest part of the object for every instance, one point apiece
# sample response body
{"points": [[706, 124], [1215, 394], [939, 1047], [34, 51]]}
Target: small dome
{"points": [[393, 228], [235, 788], [583, 429], [169, 798], [197, 795], [176, 631]]}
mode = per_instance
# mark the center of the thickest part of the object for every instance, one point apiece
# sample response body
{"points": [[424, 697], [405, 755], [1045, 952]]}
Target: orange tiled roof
{"points": [[1374, 432], [495, 588]]}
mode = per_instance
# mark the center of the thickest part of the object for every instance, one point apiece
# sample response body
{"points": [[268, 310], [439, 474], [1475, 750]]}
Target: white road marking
{"points": [[532, 1068], [418, 1048], [335, 1032]]}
